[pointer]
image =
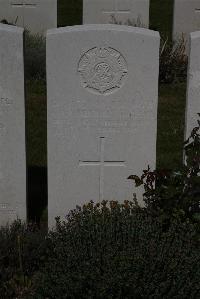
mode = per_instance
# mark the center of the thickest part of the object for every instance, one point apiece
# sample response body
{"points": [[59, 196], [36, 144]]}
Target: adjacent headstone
{"points": [[193, 86], [122, 11], [102, 112], [186, 19], [12, 126], [35, 15]]}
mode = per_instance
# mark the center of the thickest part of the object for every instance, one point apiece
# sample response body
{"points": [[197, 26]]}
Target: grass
{"points": [[171, 120], [36, 121]]}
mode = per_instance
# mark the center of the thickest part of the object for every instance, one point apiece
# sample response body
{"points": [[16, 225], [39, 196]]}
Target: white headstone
{"points": [[103, 11], [102, 112], [35, 15], [12, 126], [193, 86], [186, 19]]}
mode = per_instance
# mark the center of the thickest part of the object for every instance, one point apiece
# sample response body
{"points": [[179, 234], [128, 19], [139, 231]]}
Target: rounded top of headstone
{"points": [[195, 34], [11, 28], [104, 27]]}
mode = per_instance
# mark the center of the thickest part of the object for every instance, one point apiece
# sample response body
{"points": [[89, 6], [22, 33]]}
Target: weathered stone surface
{"points": [[186, 19], [12, 125], [102, 112], [35, 15], [193, 86], [103, 11]]}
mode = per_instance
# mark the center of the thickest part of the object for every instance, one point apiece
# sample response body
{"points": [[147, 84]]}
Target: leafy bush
{"points": [[118, 252], [101, 251], [35, 57], [20, 256], [175, 193]]}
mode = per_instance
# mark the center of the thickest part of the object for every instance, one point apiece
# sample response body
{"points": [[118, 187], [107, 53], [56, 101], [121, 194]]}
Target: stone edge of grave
{"points": [[102, 27], [195, 34], [11, 28]]}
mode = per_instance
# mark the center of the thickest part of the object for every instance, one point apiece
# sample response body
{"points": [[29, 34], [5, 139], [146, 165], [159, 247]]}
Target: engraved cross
{"points": [[101, 164], [117, 9]]}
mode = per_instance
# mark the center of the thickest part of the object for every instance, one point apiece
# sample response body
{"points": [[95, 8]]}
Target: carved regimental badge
{"points": [[102, 70]]}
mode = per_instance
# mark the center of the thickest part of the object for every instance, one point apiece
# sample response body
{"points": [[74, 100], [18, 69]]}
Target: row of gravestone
{"points": [[40, 15], [102, 83]]}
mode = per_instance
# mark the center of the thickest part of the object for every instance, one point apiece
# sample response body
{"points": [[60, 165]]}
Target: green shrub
{"points": [[175, 193], [118, 252], [101, 251], [35, 57], [21, 249]]}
